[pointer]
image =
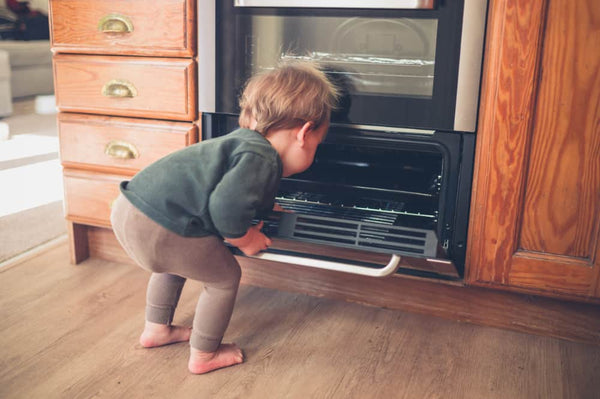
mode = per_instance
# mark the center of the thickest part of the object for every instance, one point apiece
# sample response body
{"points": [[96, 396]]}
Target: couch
{"points": [[25, 70]]}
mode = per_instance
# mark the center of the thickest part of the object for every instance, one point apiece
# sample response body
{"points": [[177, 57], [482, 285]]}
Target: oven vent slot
{"points": [[356, 234]]}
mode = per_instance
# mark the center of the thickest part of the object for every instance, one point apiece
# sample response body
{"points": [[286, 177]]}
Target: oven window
{"points": [[394, 67], [369, 56]]}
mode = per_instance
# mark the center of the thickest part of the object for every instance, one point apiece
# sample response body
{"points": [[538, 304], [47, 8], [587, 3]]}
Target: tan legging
{"points": [[172, 259]]}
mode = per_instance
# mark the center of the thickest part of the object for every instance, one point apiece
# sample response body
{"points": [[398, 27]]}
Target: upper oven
{"points": [[400, 63]]}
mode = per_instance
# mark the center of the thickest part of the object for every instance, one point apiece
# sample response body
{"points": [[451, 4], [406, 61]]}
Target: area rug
{"points": [[20, 232]]}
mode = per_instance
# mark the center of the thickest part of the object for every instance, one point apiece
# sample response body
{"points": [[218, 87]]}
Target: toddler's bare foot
{"points": [[226, 355], [160, 334]]}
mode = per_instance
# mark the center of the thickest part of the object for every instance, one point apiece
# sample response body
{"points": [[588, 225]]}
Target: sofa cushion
{"points": [[27, 53], [4, 65], [6, 107]]}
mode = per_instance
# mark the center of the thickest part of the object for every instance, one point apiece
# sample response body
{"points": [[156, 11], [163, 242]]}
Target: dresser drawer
{"points": [[133, 27], [89, 196], [120, 145], [161, 88]]}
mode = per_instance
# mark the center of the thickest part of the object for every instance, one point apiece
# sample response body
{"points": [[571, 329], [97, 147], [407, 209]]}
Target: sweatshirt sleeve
{"points": [[250, 182]]}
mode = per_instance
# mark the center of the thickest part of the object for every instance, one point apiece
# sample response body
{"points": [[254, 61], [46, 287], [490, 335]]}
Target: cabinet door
{"points": [[536, 209]]}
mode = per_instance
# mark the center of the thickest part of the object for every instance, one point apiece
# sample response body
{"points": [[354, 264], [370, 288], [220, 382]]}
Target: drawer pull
{"points": [[117, 88], [115, 23], [121, 150]]}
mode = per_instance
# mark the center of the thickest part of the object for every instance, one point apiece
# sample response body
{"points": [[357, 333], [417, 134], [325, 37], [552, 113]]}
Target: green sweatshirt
{"points": [[215, 187]]}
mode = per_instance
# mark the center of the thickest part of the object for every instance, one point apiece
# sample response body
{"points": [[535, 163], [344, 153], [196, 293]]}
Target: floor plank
{"points": [[71, 332]]}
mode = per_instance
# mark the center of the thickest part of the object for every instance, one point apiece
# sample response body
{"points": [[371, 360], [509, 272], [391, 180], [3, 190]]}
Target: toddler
{"points": [[173, 216]]}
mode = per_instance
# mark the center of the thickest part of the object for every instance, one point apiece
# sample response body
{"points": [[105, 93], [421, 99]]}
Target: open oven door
{"points": [[355, 247]]}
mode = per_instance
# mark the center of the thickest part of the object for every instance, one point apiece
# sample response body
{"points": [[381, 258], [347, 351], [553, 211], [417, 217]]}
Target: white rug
{"points": [[31, 194]]}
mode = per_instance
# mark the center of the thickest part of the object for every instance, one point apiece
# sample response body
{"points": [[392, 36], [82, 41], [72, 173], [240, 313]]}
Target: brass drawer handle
{"points": [[118, 88], [121, 150], [115, 23]]}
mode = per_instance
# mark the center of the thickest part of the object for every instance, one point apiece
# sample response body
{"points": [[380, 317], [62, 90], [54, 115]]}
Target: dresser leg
{"points": [[78, 242]]}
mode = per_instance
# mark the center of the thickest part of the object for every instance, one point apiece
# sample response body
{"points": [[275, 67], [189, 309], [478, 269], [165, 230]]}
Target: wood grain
{"points": [[79, 249], [535, 212], [89, 196], [507, 101], [71, 332], [84, 138], [525, 313], [160, 27], [166, 87], [561, 212]]}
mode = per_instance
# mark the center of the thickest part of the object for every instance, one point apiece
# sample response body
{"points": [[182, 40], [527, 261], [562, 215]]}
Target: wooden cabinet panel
{"points": [[536, 196], [129, 86], [561, 212], [89, 196], [133, 27], [122, 145]]}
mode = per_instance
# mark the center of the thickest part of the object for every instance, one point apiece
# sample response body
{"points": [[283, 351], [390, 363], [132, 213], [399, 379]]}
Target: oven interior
{"points": [[370, 197]]}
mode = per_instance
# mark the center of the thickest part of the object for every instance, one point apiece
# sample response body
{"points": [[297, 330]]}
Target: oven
{"points": [[390, 186]]}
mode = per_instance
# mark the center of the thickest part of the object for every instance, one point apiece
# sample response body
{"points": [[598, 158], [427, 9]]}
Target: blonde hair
{"points": [[289, 95]]}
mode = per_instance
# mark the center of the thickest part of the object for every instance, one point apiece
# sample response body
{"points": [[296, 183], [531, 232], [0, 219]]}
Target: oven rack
{"points": [[355, 234], [364, 210]]}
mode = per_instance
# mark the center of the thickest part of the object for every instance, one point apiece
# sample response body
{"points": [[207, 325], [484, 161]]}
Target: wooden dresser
{"points": [[125, 83]]}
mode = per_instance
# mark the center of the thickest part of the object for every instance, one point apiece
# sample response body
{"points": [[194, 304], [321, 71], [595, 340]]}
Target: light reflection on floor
{"points": [[29, 186], [30, 171]]}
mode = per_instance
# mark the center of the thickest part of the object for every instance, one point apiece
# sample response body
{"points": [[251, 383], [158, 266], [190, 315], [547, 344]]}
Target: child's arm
{"points": [[252, 242]]}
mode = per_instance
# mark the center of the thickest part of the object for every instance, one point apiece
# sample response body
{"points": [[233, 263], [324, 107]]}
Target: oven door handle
{"points": [[394, 4], [387, 270]]}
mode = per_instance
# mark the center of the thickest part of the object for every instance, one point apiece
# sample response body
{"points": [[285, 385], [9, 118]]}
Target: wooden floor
{"points": [[71, 332]]}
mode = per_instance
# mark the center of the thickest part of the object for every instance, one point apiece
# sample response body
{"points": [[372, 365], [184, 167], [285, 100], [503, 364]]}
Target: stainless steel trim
{"points": [[384, 128], [469, 67], [389, 269], [206, 56], [413, 4]]}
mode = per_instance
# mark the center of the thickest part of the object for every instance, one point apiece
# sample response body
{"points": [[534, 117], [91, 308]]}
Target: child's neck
{"points": [[282, 140]]}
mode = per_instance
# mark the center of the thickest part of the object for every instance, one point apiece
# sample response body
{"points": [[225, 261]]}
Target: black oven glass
{"points": [[398, 67], [375, 56]]}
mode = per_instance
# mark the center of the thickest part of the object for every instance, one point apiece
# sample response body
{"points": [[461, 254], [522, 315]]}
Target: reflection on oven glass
{"points": [[379, 56]]}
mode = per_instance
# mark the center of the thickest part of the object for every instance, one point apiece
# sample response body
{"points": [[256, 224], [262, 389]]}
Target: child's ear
{"points": [[303, 131]]}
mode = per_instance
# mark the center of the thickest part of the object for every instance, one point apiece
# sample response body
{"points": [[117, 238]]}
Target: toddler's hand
{"points": [[278, 208], [253, 241]]}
